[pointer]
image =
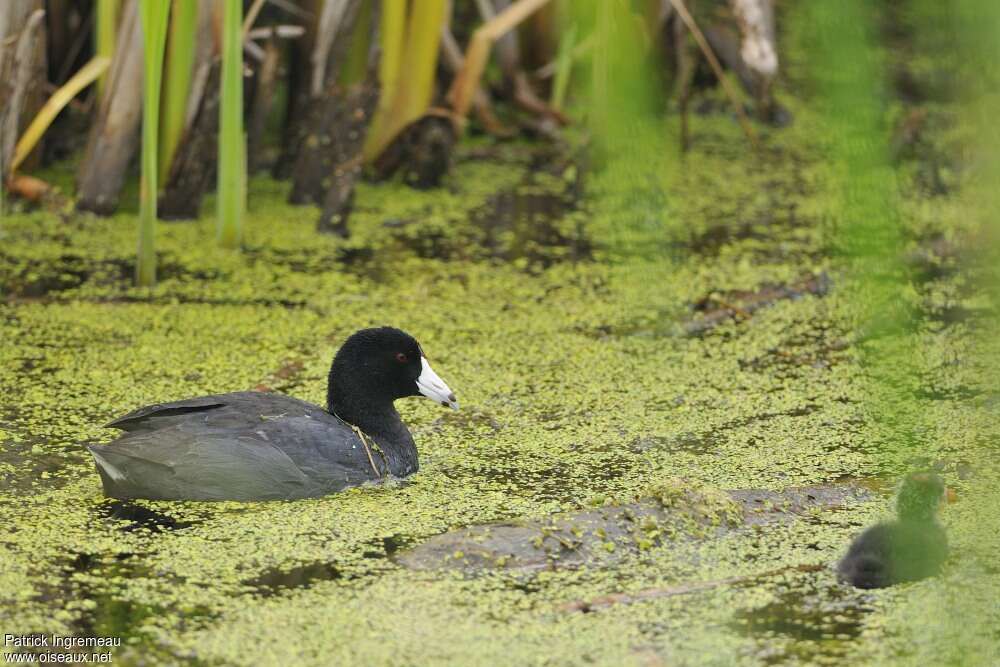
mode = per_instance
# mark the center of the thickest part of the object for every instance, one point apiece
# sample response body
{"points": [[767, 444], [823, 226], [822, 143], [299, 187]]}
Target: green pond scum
{"points": [[661, 328]]}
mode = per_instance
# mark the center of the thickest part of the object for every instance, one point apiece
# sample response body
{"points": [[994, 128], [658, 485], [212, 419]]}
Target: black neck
{"points": [[375, 418], [379, 419]]}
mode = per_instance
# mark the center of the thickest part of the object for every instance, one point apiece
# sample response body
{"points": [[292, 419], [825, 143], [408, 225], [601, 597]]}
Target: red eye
{"points": [[400, 357]]}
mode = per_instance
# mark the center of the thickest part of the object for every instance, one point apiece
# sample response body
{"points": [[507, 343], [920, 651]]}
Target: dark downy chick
{"points": [[912, 547]]}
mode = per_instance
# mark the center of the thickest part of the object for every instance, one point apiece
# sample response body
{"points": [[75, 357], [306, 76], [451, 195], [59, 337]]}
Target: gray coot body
{"points": [[257, 446], [911, 548]]}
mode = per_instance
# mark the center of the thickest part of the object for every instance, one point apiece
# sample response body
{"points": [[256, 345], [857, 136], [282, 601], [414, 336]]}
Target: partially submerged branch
{"points": [[706, 50], [467, 80], [56, 103], [481, 103]]}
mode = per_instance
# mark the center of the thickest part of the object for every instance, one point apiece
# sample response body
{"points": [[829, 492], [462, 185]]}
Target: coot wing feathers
{"points": [[148, 417], [324, 448], [247, 407], [185, 463], [241, 446]]}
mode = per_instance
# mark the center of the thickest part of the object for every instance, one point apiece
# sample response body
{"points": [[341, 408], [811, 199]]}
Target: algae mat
{"points": [[681, 329]]}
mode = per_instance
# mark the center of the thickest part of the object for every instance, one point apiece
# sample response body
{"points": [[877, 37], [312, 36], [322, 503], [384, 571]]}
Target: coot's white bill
{"points": [[433, 387]]}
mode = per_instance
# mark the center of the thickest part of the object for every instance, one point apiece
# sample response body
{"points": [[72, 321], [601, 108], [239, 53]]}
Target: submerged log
{"points": [[339, 158], [422, 151], [717, 308], [310, 141], [299, 81], [114, 136], [607, 535], [339, 201], [328, 123], [337, 131]]}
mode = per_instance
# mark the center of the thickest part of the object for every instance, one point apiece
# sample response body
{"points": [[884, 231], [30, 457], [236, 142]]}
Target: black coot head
{"points": [[920, 495], [389, 362]]}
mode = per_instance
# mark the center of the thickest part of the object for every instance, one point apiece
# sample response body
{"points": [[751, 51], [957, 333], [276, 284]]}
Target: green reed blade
{"points": [[232, 151], [181, 49], [154, 16], [106, 33]]}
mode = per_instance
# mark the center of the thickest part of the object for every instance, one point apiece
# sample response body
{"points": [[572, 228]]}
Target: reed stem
{"points": [[154, 17], [410, 96], [106, 29], [181, 50], [232, 150]]}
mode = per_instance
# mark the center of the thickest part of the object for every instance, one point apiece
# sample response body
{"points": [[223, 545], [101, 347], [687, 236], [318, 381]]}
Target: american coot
{"points": [[255, 446], [911, 548]]}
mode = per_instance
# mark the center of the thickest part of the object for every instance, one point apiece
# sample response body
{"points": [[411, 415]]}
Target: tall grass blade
{"points": [[412, 95], [232, 151], [423, 39], [392, 38], [154, 16], [393, 32], [181, 51], [564, 66], [106, 29]]}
